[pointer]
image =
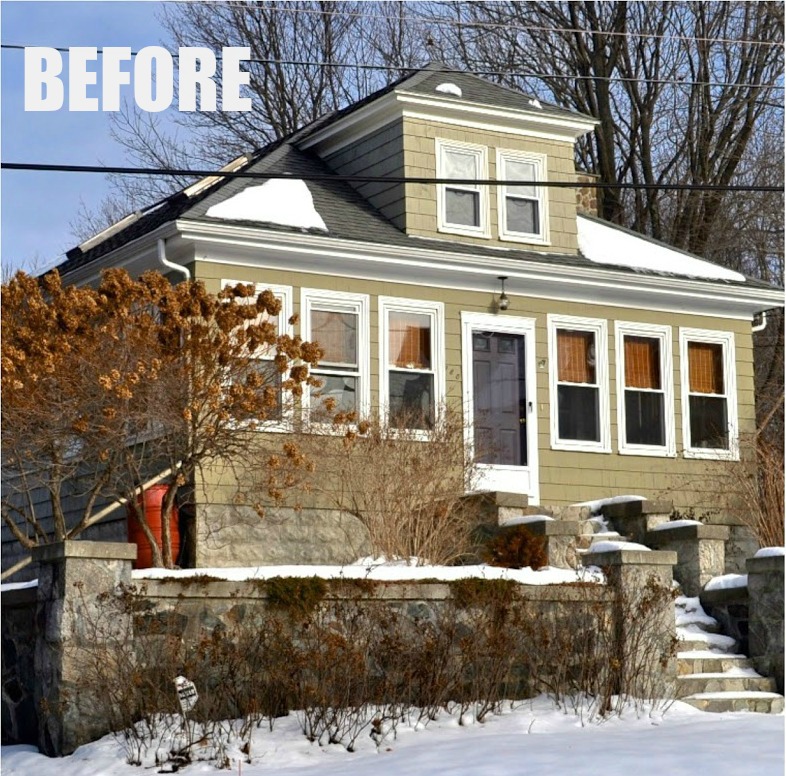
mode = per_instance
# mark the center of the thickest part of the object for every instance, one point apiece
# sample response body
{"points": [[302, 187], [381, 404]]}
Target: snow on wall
{"points": [[286, 202], [605, 244]]}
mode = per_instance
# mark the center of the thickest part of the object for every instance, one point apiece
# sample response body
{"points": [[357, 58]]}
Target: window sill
{"points": [[529, 239], [580, 447], [480, 233], [650, 452], [711, 454]]}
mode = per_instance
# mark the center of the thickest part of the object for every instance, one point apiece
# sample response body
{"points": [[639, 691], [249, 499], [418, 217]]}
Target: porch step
{"points": [[711, 675], [496, 507], [718, 702]]}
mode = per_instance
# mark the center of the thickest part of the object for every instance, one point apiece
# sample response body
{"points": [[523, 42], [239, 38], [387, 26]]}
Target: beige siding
{"points": [[421, 198], [565, 477], [380, 153]]}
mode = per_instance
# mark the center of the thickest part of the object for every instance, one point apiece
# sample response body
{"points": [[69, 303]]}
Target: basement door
{"points": [[499, 400]]}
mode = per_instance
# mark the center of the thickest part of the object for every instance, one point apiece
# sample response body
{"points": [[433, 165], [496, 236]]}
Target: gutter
{"points": [[169, 264]]}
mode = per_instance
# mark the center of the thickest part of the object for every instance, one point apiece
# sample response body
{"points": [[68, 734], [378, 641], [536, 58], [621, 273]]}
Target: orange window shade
{"points": [[705, 360], [642, 363], [575, 356], [336, 334], [410, 340]]}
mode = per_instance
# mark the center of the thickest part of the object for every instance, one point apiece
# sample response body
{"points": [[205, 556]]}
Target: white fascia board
{"points": [[498, 119], [397, 105], [415, 265]]}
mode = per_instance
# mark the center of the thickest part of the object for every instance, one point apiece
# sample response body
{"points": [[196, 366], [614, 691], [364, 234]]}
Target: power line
{"points": [[444, 21], [451, 71], [81, 168]]}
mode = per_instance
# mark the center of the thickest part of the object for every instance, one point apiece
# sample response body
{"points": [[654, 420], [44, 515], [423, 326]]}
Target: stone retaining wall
{"points": [[79, 580]]}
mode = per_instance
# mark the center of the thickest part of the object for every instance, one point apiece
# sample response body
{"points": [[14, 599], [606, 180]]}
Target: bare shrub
{"points": [[516, 547], [755, 488], [404, 484]]}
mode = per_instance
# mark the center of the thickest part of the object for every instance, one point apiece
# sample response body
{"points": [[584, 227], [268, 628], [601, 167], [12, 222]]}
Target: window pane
{"points": [[460, 165], [578, 413], [411, 402], [462, 207], [644, 418], [708, 422], [336, 334], [410, 340], [575, 356], [343, 391], [705, 360], [522, 215], [521, 171], [642, 362]]}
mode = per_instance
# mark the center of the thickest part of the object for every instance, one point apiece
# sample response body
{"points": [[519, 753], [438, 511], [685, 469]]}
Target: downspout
{"points": [[760, 326], [170, 264]]}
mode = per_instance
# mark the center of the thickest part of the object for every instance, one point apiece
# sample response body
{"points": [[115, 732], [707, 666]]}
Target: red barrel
{"points": [[152, 498]]}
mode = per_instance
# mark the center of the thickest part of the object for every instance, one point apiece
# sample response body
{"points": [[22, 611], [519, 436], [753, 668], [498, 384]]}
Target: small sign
{"points": [[186, 693]]}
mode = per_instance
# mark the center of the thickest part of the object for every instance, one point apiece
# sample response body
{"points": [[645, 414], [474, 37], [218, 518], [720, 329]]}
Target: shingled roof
{"points": [[347, 215]]}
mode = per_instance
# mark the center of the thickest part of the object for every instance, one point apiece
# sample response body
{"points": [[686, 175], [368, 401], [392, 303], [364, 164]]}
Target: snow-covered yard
{"points": [[534, 738]]}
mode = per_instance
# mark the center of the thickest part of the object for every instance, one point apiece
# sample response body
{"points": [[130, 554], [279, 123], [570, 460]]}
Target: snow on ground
{"points": [[386, 571], [283, 201], [534, 738], [607, 244]]}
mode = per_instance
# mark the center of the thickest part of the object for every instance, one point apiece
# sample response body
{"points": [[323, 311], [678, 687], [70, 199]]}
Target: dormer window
{"points": [[522, 209], [463, 206]]}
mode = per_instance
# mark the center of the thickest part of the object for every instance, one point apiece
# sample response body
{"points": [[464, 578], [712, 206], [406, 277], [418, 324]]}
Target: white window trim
{"points": [[284, 295], [340, 301], [663, 335], [726, 339], [600, 328], [481, 155], [539, 160], [436, 311]]}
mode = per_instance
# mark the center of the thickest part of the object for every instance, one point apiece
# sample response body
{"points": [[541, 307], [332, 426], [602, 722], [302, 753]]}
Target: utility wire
{"points": [[452, 71], [83, 168], [444, 21]]}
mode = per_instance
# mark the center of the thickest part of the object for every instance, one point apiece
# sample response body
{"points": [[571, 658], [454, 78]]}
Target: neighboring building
{"points": [[619, 365]]}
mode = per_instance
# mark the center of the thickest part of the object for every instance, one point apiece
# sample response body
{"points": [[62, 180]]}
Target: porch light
{"points": [[503, 302]]}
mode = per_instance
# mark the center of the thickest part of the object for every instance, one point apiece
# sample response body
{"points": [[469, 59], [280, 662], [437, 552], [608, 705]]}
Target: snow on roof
{"points": [[286, 202], [449, 88], [608, 244]]}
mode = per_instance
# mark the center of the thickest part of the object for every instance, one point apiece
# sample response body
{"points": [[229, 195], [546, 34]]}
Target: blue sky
{"points": [[37, 207]]}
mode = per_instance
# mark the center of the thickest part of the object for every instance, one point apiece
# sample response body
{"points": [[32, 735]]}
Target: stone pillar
{"points": [[560, 536], [72, 577], [765, 624], [699, 548], [741, 544], [635, 518], [644, 618]]}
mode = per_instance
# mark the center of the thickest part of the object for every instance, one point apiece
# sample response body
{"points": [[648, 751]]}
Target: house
{"points": [[591, 361]]}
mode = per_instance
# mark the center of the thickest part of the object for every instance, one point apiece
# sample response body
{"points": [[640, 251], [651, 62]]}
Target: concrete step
{"points": [[762, 702], [695, 684], [705, 661], [586, 541], [694, 637]]}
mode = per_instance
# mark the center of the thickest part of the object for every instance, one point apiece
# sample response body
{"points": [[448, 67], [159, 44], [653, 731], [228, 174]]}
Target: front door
{"points": [[500, 391], [499, 399]]}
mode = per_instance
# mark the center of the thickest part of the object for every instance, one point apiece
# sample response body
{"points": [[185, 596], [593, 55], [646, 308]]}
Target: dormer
{"points": [[445, 124]]}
